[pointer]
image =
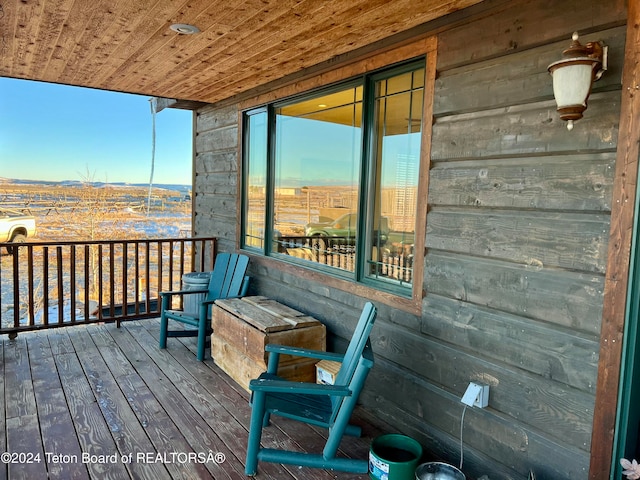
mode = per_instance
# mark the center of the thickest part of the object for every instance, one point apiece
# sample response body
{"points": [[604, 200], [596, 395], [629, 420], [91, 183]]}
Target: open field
{"points": [[85, 213], [88, 211]]}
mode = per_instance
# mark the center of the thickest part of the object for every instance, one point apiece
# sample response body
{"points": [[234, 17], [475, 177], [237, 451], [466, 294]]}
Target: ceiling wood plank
{"points": [[143, 48], [50, 22], [323, 46], [8, 19], [263, 46], [21, 39], [108, 32], [126, 46], [267, 25], [67, 39]]}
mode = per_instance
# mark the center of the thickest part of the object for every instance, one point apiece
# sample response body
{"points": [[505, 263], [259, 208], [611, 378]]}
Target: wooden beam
{"points": [[620, 239], [162, 103]]}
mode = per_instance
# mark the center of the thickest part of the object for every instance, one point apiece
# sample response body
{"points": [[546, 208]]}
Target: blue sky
{"points": [[55, 132]]}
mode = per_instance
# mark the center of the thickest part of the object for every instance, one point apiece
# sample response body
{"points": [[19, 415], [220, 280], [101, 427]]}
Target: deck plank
{"points": [[163, 433], [20, 400], [56, 426], [22, 429], [101, 390], [3, 438], [59, 341], [194, 427], [127, 432], [23, 441], [228, 393], [283, 433], [93, 432]]}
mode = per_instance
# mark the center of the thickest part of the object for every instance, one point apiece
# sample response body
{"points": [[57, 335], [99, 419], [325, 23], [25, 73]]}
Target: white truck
{"points": [[16, 227]]}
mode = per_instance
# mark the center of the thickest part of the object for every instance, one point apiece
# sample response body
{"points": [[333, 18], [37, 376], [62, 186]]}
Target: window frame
{"points": [[370, 66], [369, 192]]}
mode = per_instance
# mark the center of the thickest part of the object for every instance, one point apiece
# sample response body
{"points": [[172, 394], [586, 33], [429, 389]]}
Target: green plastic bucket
{"points": [[394, 457]]}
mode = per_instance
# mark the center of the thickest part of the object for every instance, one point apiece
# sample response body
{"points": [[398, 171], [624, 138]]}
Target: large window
{"points": [[331, 178], [255, 189]]}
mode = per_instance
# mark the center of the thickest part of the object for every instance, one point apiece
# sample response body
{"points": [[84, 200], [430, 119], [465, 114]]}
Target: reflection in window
{"points": [[317, 168], [396, 159], [255, 194], [336, 180]]}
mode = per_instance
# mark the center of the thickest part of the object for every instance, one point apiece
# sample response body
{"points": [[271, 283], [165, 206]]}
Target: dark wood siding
{"points": [[517, 241], [216, 175], [517, 232]]}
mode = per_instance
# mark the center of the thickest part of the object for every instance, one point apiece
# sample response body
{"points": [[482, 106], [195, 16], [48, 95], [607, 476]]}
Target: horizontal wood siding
{"points": [[573, 241], [572, 299], [216, 175], [580, 181], [516, 248], [519, 25], [523, 80], [517, 233]]}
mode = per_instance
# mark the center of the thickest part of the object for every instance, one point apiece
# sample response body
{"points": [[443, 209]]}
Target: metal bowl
{"points": [[438, 471]]}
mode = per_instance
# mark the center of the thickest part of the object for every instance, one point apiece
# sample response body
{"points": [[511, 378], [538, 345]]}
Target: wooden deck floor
{"points": [[105, 403]]}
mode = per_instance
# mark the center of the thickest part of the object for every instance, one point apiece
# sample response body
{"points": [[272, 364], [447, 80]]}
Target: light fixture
{"points": [[184, 28], [573, 76]]}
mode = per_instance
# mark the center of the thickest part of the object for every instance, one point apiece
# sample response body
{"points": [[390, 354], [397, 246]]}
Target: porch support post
{"points": [[620, 240]]}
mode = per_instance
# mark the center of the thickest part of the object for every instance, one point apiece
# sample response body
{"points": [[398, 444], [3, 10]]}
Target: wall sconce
{"points": [[573, 76]]}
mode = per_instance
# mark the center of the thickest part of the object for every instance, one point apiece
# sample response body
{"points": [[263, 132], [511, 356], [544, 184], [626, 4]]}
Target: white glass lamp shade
{"points": [[574, 75], [572, 84], [572, 79]]}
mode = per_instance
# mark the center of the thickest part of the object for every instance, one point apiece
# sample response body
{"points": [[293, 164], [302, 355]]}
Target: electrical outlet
{"points": [[476, 395]]}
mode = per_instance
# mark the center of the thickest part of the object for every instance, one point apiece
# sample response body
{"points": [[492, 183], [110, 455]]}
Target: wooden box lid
{"points": [[266, 314]]}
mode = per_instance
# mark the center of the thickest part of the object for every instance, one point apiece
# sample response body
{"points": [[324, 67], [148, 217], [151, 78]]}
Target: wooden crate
{"points": [[327, 371], [242, 328]]}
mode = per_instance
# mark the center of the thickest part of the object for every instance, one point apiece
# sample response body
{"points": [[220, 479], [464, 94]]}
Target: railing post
{"points": [[72, 281], [16, 287], [30, 279], [60, 285], [112, 285], [170, 286], [100, 296], [147, 273], [136, 287], [125, 279], [45, 285], [87, 283], [160, 270]]}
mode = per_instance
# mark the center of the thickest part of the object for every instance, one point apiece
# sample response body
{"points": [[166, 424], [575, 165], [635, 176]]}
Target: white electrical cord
{"points": [[461, 427]]}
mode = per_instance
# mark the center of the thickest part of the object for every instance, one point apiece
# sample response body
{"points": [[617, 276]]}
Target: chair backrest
{"points": [[356, 345], [228, 276], [342, 407]]}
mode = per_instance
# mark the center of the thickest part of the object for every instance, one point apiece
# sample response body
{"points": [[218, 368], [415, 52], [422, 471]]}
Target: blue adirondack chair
{"points": [[328, 406], [228, 280]]}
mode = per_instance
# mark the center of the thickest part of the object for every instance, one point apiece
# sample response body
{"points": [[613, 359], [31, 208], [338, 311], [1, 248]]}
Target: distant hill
{"points": [[182, 189]]}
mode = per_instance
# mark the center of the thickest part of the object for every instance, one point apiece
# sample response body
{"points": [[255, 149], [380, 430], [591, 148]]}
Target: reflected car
{"points": [[343, 226]]}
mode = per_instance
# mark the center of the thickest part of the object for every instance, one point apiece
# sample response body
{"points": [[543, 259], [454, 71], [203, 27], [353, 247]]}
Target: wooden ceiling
{"points": [[127, 45]]}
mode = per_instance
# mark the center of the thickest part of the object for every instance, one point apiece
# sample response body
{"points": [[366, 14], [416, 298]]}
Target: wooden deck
{"points": [[100, 402]]}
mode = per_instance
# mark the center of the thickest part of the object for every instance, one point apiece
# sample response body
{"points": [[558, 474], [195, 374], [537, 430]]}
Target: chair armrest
{"points": [[209, 302], [181, 292], [303, 352], [284, 386]]}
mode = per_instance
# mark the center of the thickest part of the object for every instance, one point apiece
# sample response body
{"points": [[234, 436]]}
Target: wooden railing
{"points": [[45, 285], [393, 262]]}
